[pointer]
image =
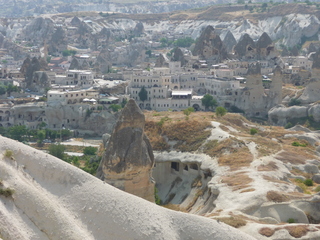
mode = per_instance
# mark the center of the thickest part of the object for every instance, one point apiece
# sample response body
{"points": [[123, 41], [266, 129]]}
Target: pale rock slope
{"points": [[54, 200]]}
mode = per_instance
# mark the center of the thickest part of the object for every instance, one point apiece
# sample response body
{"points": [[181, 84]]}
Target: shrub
{"points": [[221, 111], [294, 101], [288, 125], [57, 150], [89, 150], [291, 220], [297, 144], [8, 153], [253, 131], [317, 189], [115, 107], [156, 196], [7, 192], [308, 182]]}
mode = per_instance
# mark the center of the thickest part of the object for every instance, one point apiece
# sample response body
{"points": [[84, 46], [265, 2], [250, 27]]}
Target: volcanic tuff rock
{"points": [[161, 61], [38, 30], [229, 41], [55, 200], [128, 159], [210, 47], [265, 47], [179, 56], [29, 68], [138, 29], [245, 48]]}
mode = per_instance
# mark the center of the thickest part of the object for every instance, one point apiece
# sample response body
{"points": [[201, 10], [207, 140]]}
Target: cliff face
{"points": [[128, 158]]}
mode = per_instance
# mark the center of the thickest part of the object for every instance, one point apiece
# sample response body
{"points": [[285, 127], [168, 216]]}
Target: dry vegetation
{"points": [[268, 232], [297, 231], [274, 196], [271, 166], [234, 221], [237, 181], [188, 135]]}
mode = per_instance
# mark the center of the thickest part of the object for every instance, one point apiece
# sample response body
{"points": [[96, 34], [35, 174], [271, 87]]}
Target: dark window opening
{"points": [[175, 166], [194, 166]]}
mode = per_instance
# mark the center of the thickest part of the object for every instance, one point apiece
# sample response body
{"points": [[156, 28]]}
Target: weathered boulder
{"points": [[128, 159], [281, 115], [316, 178]]}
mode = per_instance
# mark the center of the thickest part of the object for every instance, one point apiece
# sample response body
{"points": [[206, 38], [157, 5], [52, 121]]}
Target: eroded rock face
{"points": [[245, 48], [128, 159], [229, 41], [210, 47]]}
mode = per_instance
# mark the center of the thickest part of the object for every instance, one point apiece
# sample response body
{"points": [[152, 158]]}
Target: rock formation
{"points": [[58, 41], [245, 48], [229, 41], [128, 159], [35, 81], [178, 56], [210, 47], [138, 29], [161, 61], [55, 200], [265, 47], [38, 30]]}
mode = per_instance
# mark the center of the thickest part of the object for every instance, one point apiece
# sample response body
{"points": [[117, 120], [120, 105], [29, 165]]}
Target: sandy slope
{"points": [[54, 200]]}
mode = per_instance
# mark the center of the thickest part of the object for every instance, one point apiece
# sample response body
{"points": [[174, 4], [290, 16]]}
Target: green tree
{"points": [[143, 94], [208, 101], [41, 134], [17, 132], [221, 111], [3, 89], [89, 150], [183, 42], [148, 52], [57, 150], [188, 111], [124, 102], [115, 107]]}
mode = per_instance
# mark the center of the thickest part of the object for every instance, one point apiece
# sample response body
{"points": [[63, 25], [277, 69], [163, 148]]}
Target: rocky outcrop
{"points": [[178, 56], [138, 29], [281, 115], [58, 41], [35, 81], [38, 30], [210, 47], [128, 159], [245, 48], [161, 61], [266, 48], [76, 205], [229, 41]]}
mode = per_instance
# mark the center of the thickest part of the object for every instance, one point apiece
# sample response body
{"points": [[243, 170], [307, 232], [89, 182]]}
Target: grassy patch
{"points": [[268, 232], [274, 196], [8, 153], [235, 222], [237, 181], [190, 134], [271, 166], [297, 231]]}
